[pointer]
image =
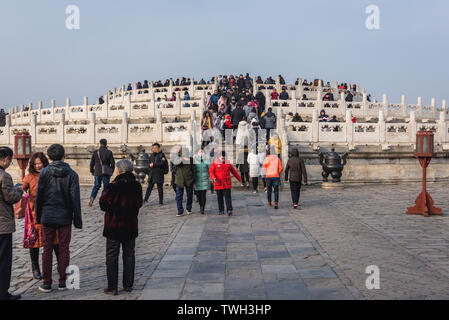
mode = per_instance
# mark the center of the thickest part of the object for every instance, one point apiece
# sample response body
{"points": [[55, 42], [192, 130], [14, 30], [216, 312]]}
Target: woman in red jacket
{"points": [[220, 173]]}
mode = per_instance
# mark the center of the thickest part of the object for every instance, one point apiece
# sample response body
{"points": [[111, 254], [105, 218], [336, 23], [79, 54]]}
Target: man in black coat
{"points": [[260, 97], [102, 165], [237, 115], [349, 97], [58, 205], [158, 168], [241, 83]]}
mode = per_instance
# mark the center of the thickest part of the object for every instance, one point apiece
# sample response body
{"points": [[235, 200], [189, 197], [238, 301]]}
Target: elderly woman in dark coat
{"points": [[121, 201]]}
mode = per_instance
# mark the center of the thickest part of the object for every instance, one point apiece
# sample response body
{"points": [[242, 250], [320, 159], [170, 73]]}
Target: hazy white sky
{"points": [[128, 41]]}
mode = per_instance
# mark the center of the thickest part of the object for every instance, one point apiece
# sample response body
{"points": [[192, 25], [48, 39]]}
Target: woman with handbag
{"points": [[29, 184]]}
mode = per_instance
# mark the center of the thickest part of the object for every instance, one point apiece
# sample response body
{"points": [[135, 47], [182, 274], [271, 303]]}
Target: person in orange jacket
{"points": [[272, 167], [220, 173]]}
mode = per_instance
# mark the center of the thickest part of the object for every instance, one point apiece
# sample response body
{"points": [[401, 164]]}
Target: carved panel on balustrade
{"points": [[178, 132], [142, 133], [366, 132], [397, 132], [112, 133], [47, 134], [96, 108], [332, 132], [299, 131], [17, 130]]}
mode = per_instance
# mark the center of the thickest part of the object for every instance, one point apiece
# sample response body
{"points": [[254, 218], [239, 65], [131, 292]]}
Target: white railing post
{"points": [[404, 106], [128, 107], [412, 126], [434, 109], [385, 105], [364, 103], [170, 88], [33, 132], [8, 128], [92, 129], [53, 115], [299, 89], [319, 100], [67, 108], [192, 88], [61, 129], [152, 108], [125, 128], [159, 127], [105, 106], [86, 107], [442, 127], [382, 127], [178, 103], [349, 127], [41, 108], [315, 126], [419, 107]]}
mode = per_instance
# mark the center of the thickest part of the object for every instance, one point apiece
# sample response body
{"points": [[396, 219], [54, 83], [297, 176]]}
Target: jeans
{"points": [[129, 262], [5, 264], [202, 195], [226, 193], [65, 235], [180, 196], [273, 183], [295, 189], [97, 185], [160, 190]]}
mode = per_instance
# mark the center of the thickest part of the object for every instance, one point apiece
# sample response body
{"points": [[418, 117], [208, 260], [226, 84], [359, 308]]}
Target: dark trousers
{"points": [[268, 134], [255, 183], [245, 176], [160, 190], [65, 235], [202, 196], [34, 255], [129, 262], [226, 193], [264, 182], [273, 184], [295, 189], [98, 180], [5, 264], [180, 197]]}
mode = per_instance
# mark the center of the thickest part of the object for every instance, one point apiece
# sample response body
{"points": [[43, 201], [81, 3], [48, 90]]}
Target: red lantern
{"points": [[424, 152], [22, 150]]}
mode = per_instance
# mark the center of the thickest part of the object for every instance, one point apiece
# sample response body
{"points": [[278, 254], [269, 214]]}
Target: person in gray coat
{"points": [[9, 195]]}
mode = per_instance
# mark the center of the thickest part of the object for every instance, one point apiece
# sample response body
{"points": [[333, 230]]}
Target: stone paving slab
{"points": [[319, 252]]}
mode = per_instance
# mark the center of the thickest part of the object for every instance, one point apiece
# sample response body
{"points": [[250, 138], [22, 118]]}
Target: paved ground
{"points": [[320, 252]]}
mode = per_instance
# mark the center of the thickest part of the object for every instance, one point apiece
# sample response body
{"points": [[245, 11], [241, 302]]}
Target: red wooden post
{"points": [[424, 152]]}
